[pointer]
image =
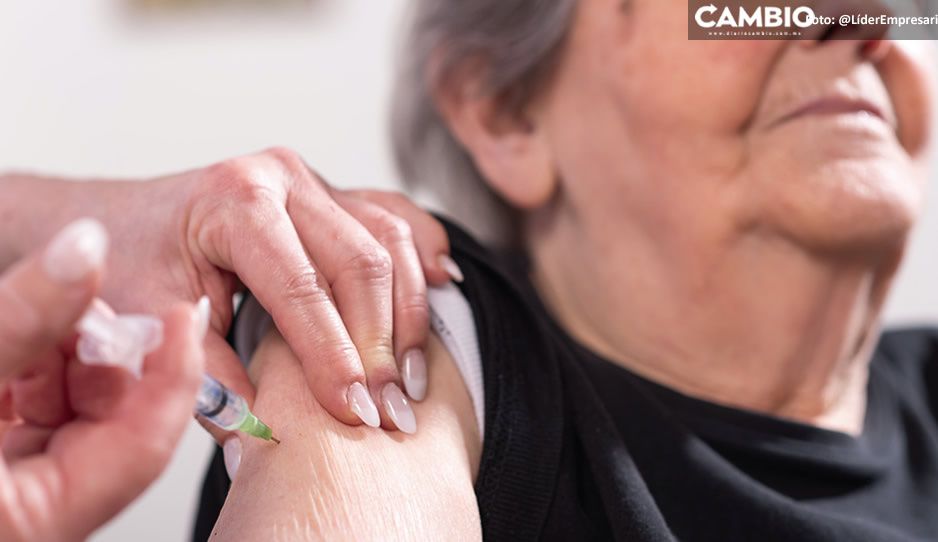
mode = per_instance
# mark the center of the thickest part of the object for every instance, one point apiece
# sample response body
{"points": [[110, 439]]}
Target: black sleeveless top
{"points": [[577, 448]]}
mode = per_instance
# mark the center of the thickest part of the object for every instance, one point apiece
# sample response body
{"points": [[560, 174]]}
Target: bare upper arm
{"points": [[327, 480]]}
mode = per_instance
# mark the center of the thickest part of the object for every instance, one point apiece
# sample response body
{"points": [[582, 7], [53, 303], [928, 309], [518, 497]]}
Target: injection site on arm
{"points": [[125, 340], [332, 481]]}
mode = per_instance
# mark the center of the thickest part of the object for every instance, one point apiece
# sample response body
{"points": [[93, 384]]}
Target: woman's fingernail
{"points": [[203, 311], [362, 405], [449, 265], [76, 251], [232, 452], [415, 374], [398, 409]]}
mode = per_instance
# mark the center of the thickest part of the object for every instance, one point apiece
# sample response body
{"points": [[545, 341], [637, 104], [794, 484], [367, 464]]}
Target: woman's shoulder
{"points": [[500, 265], [523, 360], [909, 345], [909, 356], [496, 284], [517, 340]]}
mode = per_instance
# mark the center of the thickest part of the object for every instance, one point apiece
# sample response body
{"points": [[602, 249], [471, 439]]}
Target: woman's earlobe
{"points": [[520, 168]]}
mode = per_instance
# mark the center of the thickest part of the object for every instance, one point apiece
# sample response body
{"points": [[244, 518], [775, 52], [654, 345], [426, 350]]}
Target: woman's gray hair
{"points": [[519, 41]]}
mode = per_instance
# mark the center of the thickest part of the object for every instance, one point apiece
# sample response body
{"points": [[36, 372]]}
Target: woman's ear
{"points": [[509, 145]]}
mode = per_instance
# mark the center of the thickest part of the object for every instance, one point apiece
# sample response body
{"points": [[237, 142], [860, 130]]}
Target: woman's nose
{"points": [[874, 50]]}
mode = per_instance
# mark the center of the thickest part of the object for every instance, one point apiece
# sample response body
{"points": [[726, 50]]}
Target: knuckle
{"points": [[379, 353], [370, 195], [292, 164], [372, 263], [304, 287], [243, 180], [391, 200], [380, 374], [392, 229], [337, 358], [413, 311], [387, 197], [357, 193], [284, 155], [398, 198]]}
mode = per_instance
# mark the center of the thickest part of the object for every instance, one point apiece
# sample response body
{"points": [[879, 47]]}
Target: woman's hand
{"points": [[308, 253], [87, 439]]}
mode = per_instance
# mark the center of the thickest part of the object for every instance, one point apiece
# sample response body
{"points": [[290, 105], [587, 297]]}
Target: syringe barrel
{"points": [[220, 405]]}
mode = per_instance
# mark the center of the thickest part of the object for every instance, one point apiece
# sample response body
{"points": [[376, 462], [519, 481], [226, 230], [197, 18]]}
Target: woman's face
{"points": [[823, 144]]}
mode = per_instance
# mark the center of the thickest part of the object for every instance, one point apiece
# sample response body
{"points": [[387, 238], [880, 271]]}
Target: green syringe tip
{"points": [[256, 428]]}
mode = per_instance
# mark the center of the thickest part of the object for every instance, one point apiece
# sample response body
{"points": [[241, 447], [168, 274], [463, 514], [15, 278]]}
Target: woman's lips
{"points": [[837, 105]]}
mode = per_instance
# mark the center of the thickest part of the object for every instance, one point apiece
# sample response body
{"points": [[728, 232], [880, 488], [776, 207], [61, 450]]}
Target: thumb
{"points": [[42, 296], [132, 445]]}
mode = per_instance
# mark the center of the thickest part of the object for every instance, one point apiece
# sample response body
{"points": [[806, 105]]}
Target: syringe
{"points": [[228, 410], [124, 340]]}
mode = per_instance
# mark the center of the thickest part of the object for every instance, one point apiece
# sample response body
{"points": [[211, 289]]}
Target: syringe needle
{"points": [[275, 439]]}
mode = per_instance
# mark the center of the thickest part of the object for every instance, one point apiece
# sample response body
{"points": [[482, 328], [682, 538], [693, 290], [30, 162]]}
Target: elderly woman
{"points": [[679, 335]]}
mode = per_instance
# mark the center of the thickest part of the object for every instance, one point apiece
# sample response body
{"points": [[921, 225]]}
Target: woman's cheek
{"points": [[735, 75], [908, 71], [708, 86]]}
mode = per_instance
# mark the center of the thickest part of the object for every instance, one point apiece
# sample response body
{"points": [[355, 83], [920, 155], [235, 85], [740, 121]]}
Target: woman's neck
{"points": [[756, 323]]}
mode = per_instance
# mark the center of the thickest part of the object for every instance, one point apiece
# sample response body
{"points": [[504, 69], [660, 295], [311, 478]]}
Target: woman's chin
{"points": [[856, 206]]}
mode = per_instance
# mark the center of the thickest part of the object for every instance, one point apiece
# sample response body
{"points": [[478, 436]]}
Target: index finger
{"points": [[133, 443], [270, 259], [43, 296]]}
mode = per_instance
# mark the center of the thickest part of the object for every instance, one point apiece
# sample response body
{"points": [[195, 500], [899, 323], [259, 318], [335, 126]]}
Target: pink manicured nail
{"points": [[398, 409], [361, 404], [203, 311], [231, 451], [414, 374], [449, 265], [79, 249]]}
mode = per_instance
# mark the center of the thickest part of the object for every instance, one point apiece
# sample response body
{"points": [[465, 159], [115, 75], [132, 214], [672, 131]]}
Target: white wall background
{"points": [[97, 88]]}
